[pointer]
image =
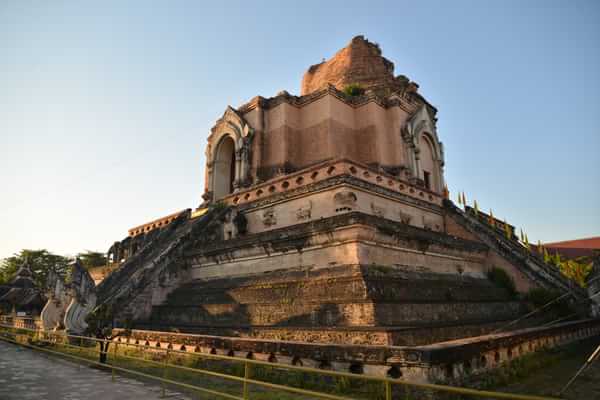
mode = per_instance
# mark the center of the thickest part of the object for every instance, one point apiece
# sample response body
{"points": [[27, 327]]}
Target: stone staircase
{"points": [[529, 263], [340, 304], [158, 267]]}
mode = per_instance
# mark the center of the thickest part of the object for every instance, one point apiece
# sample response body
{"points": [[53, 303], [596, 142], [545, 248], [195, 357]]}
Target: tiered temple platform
{"points": [[325, 228]]}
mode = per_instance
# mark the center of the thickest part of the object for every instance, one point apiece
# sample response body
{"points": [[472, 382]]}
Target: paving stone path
{"points": [[29, 374]]}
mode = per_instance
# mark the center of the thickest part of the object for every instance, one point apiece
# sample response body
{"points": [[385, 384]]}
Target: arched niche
{"points": [[224, 167], [429, 171], [227, 156], [425, 153]]}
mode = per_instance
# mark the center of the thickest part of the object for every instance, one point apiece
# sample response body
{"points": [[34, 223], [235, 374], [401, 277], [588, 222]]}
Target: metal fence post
{"points": [[114, 360], [246, 377], [165, 374], [80, 350], [388, 390]]}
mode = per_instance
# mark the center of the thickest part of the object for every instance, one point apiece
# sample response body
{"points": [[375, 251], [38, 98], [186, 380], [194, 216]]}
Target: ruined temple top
{"points": [[383, 124], [358, 63]]}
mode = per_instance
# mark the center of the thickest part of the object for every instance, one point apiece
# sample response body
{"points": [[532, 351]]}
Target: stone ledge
{"points": [[467, 347], [443, 361], [296, 236], [321, 175], [408, 102]]}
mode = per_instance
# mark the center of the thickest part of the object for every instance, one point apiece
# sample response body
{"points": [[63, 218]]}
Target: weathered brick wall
{"points": [[527, 268], [455, 229], [337, 298], [359, 62], [522, 283], [493, 259]]}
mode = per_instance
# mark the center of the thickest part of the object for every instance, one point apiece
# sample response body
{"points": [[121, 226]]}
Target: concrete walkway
{"points": [[29, 374]]}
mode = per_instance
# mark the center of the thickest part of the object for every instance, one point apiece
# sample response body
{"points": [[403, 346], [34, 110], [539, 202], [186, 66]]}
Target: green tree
{"points": [[40, 262], [90, 259]]}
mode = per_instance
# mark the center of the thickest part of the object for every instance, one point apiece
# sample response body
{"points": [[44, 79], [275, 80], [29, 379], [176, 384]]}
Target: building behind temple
{"points": [[21, 296]]}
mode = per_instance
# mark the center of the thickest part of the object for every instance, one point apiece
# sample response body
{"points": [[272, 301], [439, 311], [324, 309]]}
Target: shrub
{"points": [[539, 297], [218, 206], [501, 278], [354, 89]]}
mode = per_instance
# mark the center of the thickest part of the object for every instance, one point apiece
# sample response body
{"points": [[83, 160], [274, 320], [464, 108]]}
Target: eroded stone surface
{"points": [[360, 63]]}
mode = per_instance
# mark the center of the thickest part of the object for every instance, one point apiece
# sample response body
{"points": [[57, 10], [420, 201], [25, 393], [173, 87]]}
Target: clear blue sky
{"points": [[105, 106]]}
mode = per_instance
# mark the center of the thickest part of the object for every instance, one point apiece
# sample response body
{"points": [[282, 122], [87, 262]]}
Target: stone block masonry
{"points": [[445, 361]]}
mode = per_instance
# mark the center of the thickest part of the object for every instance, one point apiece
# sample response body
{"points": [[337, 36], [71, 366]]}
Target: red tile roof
{"points": [[587, 243], [570, 249]]}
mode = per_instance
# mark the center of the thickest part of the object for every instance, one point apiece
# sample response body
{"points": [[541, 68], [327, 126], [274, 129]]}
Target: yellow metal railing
{"points": [[48, 338]]}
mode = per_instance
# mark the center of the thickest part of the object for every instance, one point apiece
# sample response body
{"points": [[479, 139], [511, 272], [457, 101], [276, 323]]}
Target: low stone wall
{"points": [[452, 360], [21, 322], [446, 361], [378, 335], [157, 223]]}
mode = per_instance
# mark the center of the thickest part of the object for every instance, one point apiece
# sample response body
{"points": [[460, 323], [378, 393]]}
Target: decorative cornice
{"points": [[344, 171], [297, 234], [408, 101]]}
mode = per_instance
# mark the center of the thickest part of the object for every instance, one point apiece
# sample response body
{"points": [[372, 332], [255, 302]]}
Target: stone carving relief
{"points": [[268, 217], [378, 210], [83, 299], [69, 303], [405, 218], [344, 201], [345, 198], [304, 212], [427, 223], [53, 313], [229, 228], [234, 224]]}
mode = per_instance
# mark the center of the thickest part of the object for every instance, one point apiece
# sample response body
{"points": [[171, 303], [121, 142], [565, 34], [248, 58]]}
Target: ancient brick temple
{"points": [[325, 220]]}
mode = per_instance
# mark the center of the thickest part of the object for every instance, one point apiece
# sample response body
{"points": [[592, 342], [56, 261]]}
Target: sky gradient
{"points": [[105, 107]]}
